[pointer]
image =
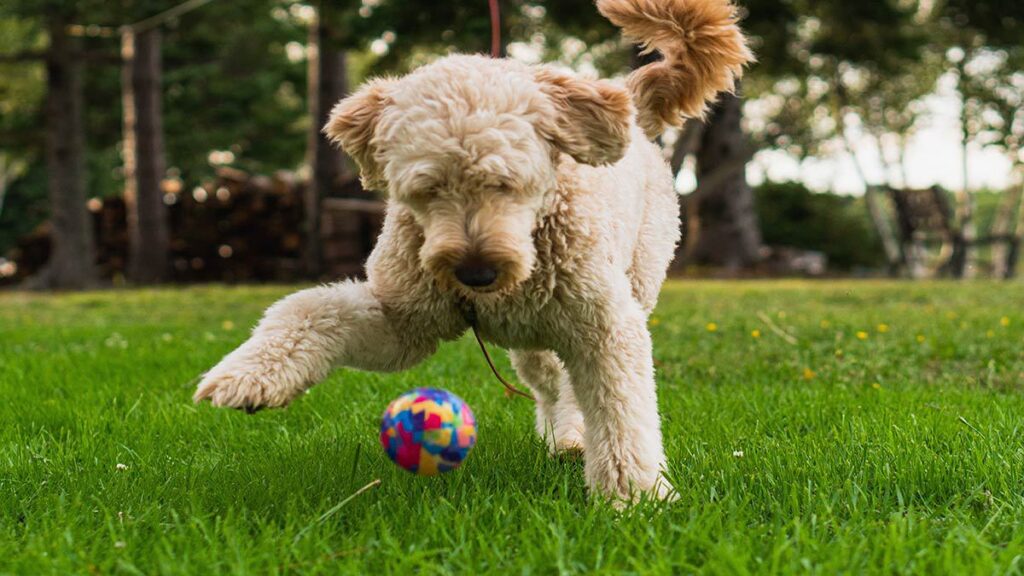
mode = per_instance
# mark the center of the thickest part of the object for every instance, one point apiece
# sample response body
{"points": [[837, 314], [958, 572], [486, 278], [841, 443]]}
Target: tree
{"points": [[728, 232], [72, 261], [73, 251], [981, 42], [228, 88], [327, 80], [144, 162], [22, 96], [721, 223], [841, 65], [884, 99]]}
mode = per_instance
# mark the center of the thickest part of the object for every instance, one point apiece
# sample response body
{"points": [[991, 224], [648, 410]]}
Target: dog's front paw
{"points": [[661, 491], [242, 391], [242, 381], [625, 483]]}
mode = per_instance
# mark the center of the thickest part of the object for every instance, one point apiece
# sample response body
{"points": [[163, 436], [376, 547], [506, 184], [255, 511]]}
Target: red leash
{"points": [[509, 388], [495, 29]]}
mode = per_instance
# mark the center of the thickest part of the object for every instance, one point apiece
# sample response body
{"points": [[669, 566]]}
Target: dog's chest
{"points": [[519, 327], [527, 319]]}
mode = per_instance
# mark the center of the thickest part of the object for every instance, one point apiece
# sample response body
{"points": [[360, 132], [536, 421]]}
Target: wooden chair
{"points": [[925, 217]]}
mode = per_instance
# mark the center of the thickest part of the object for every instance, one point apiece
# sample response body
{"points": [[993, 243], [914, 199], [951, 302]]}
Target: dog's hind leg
{"points": [[559, 420], [302, 337]]}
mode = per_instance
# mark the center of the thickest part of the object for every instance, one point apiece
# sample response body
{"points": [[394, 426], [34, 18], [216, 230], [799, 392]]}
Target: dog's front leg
{"points": [[300, 339], [612, 373]]}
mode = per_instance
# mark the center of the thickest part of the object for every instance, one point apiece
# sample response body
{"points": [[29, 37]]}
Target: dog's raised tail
{"points": [[703, 52]]}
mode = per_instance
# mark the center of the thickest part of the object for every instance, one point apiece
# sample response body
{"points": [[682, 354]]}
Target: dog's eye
{"points": [[502, 190], [421, 197]]}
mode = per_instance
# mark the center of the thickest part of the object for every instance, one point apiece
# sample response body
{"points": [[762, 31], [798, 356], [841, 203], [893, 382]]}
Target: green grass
{"points": [[886, 454]]}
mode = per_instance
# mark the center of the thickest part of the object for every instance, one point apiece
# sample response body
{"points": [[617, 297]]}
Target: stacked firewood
{"points": [[235, 228], [348, 231]]}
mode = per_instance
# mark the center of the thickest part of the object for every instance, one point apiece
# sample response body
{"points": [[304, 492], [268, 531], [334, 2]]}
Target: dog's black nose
{"points": [[476, 274]]}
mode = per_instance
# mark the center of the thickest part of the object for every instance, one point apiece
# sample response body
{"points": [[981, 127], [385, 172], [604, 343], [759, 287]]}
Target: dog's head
{"points": [[471, 145]]}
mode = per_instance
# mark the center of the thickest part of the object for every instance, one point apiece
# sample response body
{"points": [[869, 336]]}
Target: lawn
{"points": [[811, 428]]}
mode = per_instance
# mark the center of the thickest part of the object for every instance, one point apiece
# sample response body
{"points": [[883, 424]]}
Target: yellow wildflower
{"points": [[1004, 321], [920, 338], [654, 321], [755, 333], [862, 335], [883, 328], [809, 374], [712, 327]]}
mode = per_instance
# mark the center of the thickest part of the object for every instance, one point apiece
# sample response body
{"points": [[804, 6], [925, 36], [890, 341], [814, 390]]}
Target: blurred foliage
{"points": [[837, 225], [230, 85], [22, 86], [982, 45], [995, 23], [25, 205], [986, 207], [791, 215], [836, 59], [21, 96]]}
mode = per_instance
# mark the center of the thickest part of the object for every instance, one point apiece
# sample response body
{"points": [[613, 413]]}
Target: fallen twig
{"points": [[334, 509], [789, 338]]}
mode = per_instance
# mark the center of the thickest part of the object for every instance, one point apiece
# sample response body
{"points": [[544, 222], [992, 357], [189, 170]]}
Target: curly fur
{"points": [[704, 54], [544, 176]]}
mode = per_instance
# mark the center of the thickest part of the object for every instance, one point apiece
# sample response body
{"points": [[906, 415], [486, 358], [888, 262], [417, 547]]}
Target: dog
{"points": [[533, 204]]}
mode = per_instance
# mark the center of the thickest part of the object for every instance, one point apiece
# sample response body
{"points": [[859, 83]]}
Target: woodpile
{"points": [[348, 231], [235, 228]]}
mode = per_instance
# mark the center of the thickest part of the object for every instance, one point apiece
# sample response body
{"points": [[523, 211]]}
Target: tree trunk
{"points": [[965, 216], [728, 233], [883, 227], [5, 176], [327, 78], [72, 262], [144, 165], [964, 197], [880, 221], [687, 144]]}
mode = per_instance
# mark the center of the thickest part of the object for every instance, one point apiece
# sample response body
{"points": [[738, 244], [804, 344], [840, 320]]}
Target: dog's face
{"points": [[471, 146]]}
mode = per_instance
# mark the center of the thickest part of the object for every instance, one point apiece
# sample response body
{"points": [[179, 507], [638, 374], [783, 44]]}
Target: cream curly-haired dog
{"points": [[534, 199]]}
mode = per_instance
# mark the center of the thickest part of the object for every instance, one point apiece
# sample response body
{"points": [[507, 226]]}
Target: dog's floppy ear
{"points": [[591, 118], [352, 124]]}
